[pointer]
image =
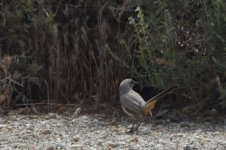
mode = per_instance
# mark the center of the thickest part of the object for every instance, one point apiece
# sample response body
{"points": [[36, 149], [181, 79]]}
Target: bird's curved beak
{"points": [[136, 83], [137, 86]]}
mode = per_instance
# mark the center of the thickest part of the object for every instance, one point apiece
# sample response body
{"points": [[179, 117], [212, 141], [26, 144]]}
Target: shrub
{"points": [[181, 43]]}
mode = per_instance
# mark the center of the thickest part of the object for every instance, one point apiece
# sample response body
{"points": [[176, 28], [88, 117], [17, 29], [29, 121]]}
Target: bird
{"points": [[134, 105]]}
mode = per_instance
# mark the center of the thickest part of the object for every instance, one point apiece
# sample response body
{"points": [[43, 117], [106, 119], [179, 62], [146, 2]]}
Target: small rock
{"points": [[47, 132], [31, 147], [51, 147], [100, 143], [198, 131], [188, 147], [30, 129], [216, 133], [76, 139], [25, 137], [122, 143], [60, 146], [3, 126], [56, 147], [76, 146], [95, 120], [83, 117], [109, 148], [52, 116], [185, 124], [28, 125], [134, 140], [21, 146], [114, 145], [43, 122]]}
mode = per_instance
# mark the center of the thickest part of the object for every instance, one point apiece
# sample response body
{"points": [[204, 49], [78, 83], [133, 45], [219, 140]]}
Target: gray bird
{"points": [[134, 105]]}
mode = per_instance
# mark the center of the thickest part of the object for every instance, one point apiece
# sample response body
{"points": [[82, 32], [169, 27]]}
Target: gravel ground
{"points": [[102, 133]]}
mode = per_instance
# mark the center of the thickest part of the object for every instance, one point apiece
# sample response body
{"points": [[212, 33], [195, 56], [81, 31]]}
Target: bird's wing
{"points": [[133, 103]]}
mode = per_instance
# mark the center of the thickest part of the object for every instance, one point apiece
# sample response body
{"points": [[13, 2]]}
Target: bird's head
{"points": [[127, 84]]}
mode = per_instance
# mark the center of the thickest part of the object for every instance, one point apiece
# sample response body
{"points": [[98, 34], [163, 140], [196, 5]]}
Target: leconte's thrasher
{"points": [[134, 105]]}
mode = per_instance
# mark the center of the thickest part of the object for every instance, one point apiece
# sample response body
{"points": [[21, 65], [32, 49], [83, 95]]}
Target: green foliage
{"points": [[182, 43], [66, 45]]}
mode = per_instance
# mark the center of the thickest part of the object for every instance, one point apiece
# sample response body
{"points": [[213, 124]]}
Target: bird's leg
{"points": [[131, 129], [138, 125], [148, 119], [151, 114]]}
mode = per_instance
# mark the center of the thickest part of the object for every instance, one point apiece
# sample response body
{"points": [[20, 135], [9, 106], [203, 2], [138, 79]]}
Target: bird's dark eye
{"points": [[135, 82], [132, 82]]}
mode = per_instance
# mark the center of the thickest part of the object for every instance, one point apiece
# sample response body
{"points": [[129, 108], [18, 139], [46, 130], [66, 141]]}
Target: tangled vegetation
{"points": [[79, 51]]}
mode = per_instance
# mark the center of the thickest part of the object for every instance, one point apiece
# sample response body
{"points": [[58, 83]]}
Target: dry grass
{"points": [[61, 49]]}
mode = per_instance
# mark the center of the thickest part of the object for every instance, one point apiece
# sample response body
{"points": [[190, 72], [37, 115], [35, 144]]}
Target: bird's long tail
{"points": [[150, 104]]}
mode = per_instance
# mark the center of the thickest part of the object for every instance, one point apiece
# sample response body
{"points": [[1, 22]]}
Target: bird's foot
{"points": [[132, 131]]}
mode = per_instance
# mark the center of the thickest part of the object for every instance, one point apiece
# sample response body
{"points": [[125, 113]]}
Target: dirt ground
{"points": [[98, 131]]}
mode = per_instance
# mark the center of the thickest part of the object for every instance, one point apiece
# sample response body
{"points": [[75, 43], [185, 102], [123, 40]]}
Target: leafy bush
{"points": [[64, 44], [181, 43]]}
